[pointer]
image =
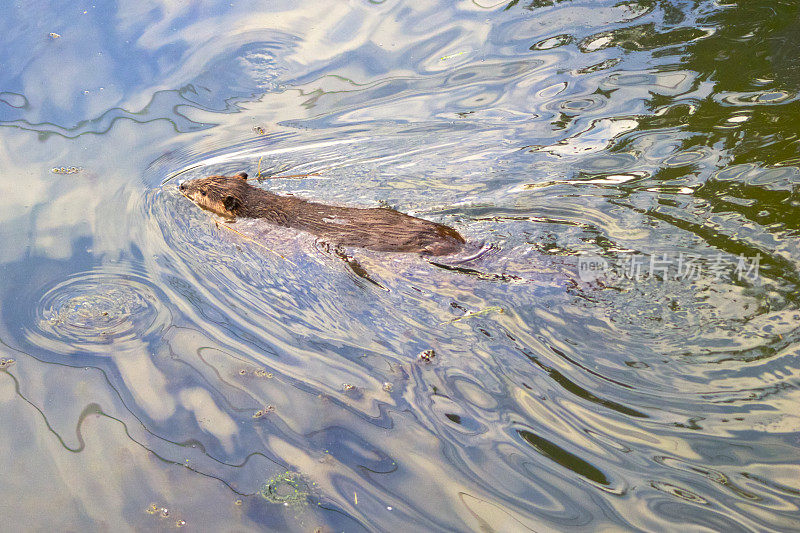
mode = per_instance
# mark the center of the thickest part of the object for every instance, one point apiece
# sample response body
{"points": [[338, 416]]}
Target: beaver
{"points": [[381, 229]]}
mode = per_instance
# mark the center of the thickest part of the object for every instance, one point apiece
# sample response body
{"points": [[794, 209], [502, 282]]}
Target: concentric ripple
{"points": [[97, 312]]}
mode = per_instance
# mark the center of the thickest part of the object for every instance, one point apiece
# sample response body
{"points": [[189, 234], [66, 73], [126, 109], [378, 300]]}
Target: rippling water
{"points": [[161, 369]]}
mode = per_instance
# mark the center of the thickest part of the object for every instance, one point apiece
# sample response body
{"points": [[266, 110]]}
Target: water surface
{"points": [[162, 371]]}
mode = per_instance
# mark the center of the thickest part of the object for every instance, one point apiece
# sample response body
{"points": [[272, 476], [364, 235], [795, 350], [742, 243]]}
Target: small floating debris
{"points": [[66, 170], [259, 130], [451, 56], [258, 373], [54, 36], [5, 363], [471, 314], [347, 387], [261, 413], [162, 512], [238, 503], [388, 387], [426, 356]]}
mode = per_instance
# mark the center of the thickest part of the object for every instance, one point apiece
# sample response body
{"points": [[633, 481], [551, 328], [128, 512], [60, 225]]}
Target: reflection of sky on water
{"points": [[161, 359], [122, 58]]}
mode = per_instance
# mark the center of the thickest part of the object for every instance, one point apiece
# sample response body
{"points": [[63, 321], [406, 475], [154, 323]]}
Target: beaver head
{"points": [[219, 194]]}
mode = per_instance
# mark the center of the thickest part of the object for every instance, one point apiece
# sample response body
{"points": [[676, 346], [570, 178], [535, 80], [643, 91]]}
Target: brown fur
{"points": [[380, 229]]}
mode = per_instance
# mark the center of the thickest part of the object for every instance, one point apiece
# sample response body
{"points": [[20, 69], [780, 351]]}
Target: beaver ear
{"points": [[231, 203], [242, 175]]}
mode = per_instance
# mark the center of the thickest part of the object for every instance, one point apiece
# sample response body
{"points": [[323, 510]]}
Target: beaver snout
{"points": [[182, 186]]}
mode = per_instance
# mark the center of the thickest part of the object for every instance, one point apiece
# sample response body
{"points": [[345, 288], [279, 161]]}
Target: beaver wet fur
{"points": [[381, 229]]}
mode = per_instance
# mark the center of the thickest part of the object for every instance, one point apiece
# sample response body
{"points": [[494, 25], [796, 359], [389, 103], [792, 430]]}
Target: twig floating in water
{"points": [[260, 177]]}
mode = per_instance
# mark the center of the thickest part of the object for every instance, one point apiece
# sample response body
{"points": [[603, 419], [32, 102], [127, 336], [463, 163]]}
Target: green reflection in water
{"points": [[563, 457], [751, 59]]}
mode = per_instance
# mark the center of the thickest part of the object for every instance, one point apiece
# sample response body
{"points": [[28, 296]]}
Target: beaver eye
{"points": [[203, 193]]}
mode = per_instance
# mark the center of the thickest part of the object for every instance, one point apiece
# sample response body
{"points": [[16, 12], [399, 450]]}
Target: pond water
{"points": [[621, 355]]}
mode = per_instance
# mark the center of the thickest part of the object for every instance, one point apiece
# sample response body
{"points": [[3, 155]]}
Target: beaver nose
{"points": [[182, 186]]}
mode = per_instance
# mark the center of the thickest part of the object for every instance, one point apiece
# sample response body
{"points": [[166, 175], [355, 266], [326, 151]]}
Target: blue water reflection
{"points": [[160, 368]]}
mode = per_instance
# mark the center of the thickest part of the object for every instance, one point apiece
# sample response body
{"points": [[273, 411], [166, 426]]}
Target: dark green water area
{"points": [[617, 349]]}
